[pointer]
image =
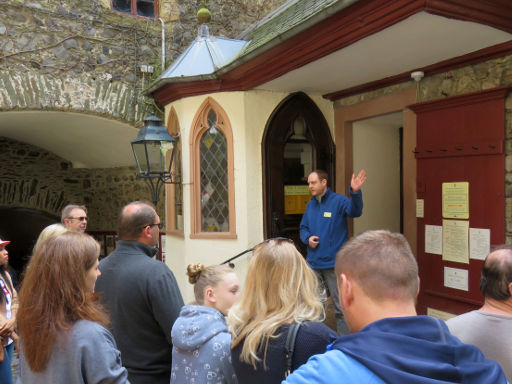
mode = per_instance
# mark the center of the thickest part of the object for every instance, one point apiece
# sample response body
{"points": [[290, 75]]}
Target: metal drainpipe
{"points": [[163, 43]]}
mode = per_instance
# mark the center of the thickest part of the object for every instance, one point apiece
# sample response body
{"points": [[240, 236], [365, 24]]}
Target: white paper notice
{"points": [[479, 243], [456, 278], [456, 241], [434, 239]]}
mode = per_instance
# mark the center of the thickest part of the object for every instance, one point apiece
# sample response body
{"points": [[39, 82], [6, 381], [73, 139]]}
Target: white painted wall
{"points": [[376, 149], [248, 113]]}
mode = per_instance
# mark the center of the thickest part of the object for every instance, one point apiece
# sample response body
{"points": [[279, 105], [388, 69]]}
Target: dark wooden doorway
{"points": [[296, 141]]}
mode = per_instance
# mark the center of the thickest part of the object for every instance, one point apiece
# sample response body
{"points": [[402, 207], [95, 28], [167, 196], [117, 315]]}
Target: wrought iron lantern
{"points": [[151, 150]]}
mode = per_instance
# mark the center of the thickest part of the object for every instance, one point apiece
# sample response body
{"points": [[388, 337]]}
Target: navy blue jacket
{"points": [[327, 219], [418, 350]]}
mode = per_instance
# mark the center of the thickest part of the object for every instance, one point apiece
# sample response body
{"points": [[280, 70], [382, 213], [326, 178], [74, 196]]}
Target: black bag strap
{"points": [[289, 347]]}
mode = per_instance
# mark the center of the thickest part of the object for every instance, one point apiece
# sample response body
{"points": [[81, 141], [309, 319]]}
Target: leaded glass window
{"points": [[214, 178], [178, 191]]}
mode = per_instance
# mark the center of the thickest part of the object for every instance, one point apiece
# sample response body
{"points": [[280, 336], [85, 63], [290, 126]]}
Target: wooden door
{"points": [[459, 140]]}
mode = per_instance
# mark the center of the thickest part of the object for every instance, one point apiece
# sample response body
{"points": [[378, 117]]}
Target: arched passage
{"points": [[296, 141], [22, 227]]}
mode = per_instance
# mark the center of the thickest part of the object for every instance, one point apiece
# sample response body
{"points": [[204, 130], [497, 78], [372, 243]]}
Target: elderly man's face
{"points": [[77, 220]]}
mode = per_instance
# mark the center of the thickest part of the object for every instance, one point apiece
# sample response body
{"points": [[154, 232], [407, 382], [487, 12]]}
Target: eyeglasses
{"points": [[81, 218], [160, 225]]}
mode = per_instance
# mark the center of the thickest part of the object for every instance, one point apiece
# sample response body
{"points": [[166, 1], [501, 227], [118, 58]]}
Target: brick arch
{"points": [[96, 95]]}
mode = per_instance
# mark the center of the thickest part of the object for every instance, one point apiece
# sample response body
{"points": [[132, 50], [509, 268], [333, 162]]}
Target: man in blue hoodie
{"points": [[324, 229], [378, 284]]}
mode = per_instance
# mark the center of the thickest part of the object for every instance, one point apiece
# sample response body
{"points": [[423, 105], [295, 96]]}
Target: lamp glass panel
{"points": [[156, 157], [139, 150]]}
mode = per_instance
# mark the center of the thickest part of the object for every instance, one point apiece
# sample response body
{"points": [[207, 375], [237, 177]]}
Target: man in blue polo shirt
{"points": [[324, 229]]}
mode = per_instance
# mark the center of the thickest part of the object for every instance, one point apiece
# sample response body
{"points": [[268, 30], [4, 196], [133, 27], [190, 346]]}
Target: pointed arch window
{"points": [[174, 192], [211, 152]]}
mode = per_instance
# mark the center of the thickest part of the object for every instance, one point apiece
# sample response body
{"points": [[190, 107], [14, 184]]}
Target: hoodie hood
{"points": [[195, 326], [418, 350]]}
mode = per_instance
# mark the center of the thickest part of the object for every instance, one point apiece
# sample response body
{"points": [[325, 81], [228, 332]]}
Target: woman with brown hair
{"points": [[8, 307], [280, 289], [60, 321]]}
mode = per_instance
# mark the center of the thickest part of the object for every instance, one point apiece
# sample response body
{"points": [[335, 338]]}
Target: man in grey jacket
{"points": [[141, 295]]}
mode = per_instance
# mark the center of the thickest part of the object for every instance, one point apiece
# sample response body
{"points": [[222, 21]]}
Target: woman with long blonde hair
{"points": [[280, 289], [60, 321]]}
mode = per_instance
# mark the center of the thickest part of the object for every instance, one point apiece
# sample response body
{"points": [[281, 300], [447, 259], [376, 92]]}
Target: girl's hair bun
{"points": [[194, 272]]}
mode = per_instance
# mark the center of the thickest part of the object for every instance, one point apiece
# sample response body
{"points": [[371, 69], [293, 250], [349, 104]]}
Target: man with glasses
{"points": [[74, 217], [141, 295]]}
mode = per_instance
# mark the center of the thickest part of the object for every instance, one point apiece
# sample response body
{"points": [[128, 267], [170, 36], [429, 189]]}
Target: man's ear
{"points": [[346, 292], [323, 182], [510, 289]]}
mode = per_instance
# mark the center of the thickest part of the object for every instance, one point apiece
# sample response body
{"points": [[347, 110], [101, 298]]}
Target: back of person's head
{"points": [[203, 277], [322, 175], [66, 211], [497, 274], [279, 287], [133, 217], [55, 294], [47, 232], [382, 263]]}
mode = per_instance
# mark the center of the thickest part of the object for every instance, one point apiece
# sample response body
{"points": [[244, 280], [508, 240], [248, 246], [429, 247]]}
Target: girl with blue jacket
{"points": [[201, 352]]}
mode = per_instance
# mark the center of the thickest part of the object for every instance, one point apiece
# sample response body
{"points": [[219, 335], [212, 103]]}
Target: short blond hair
{"points": [[382, 263], [47, 232]]}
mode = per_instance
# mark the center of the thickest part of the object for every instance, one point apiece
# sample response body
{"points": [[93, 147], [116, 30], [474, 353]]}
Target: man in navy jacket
{"points": [[378, 284], [324, 229]]}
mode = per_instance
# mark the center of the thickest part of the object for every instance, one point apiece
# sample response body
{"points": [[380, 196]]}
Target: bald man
{"points": [[490, 327]]}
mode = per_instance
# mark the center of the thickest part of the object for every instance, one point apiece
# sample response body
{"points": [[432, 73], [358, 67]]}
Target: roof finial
{"points": [[204, 15]]}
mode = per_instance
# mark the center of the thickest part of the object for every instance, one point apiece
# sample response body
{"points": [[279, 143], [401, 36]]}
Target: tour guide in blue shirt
{"points": [[324, 229]]}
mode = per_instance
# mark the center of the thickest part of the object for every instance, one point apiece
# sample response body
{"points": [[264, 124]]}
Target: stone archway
{"points": [[22, 227]]}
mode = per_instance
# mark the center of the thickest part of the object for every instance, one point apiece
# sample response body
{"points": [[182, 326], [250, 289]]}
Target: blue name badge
{"points": [[327, 214]]}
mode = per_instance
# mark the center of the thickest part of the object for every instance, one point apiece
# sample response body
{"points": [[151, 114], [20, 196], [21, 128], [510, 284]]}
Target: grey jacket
{"points": [[86, 354], [202, 347], [143, 300]]}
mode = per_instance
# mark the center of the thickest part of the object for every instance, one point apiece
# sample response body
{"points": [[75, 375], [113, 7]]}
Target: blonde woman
{"points": [[201, 352], [280, 289], [47, 232]]}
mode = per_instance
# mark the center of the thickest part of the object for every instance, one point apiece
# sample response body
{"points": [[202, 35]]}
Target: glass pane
{"points": [[121, 5], [178, 190], [146, 8], [214, 182], [156, 157], [140, 155], [298, 164]]}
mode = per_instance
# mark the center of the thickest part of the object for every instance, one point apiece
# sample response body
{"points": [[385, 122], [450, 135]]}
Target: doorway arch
{"points": [[297, 139]]}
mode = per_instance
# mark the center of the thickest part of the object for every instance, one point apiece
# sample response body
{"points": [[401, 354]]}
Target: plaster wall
{"points": [[248, 114], [378, 152]]}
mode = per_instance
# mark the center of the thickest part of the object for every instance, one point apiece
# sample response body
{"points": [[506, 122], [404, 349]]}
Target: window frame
{"points": [[199, 127], [133, 9], [173, 127]]}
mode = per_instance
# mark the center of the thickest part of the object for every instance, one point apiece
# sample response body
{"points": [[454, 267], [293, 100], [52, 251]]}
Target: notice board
{"points": [[460, 144]]}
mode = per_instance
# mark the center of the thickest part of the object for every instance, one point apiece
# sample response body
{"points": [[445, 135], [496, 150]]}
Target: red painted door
{"points": [[459, 139]]}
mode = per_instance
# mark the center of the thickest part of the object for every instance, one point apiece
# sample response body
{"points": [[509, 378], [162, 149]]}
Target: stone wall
{"points": [[31, 177], [486, 75], [83, 56]]}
